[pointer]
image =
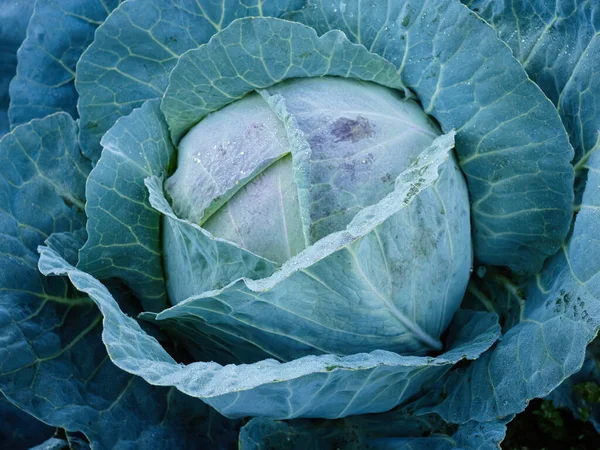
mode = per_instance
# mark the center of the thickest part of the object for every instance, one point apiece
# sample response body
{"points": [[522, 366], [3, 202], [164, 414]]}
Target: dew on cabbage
{"points": [[282, 168]]}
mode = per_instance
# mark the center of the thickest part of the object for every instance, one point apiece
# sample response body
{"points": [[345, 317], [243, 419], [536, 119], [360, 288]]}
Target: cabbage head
{"points": [[296, 224]]}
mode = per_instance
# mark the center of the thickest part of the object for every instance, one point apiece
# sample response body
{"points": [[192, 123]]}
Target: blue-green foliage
{"points": [[562, 306], [19, 429], [561, 316], [581, 392], [558, 44], [123, 229], [128, 344], [58, 33], [53, 362], [14, 17], [393, 430]]}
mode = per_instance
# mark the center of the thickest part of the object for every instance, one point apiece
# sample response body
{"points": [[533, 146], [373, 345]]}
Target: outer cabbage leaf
{"points": [[53, 363], [321, 386], [19, 429], [393, 430], [123, 230], [561, 316], [315, 386], [43, 180], [137, 46], [58, 33], [14, 17], [581, 392], [558, 43], [511, 146]]}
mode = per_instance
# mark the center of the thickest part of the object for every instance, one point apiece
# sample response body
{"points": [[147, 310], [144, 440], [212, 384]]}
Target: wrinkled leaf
{"points": [[561, 316], [580, 393], [14, 16], [123, 230], [58, 33], [558, 44], [53, 363]]}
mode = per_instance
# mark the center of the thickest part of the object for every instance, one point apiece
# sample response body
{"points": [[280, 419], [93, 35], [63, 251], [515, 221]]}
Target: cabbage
{"points": [[296, 224]]}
